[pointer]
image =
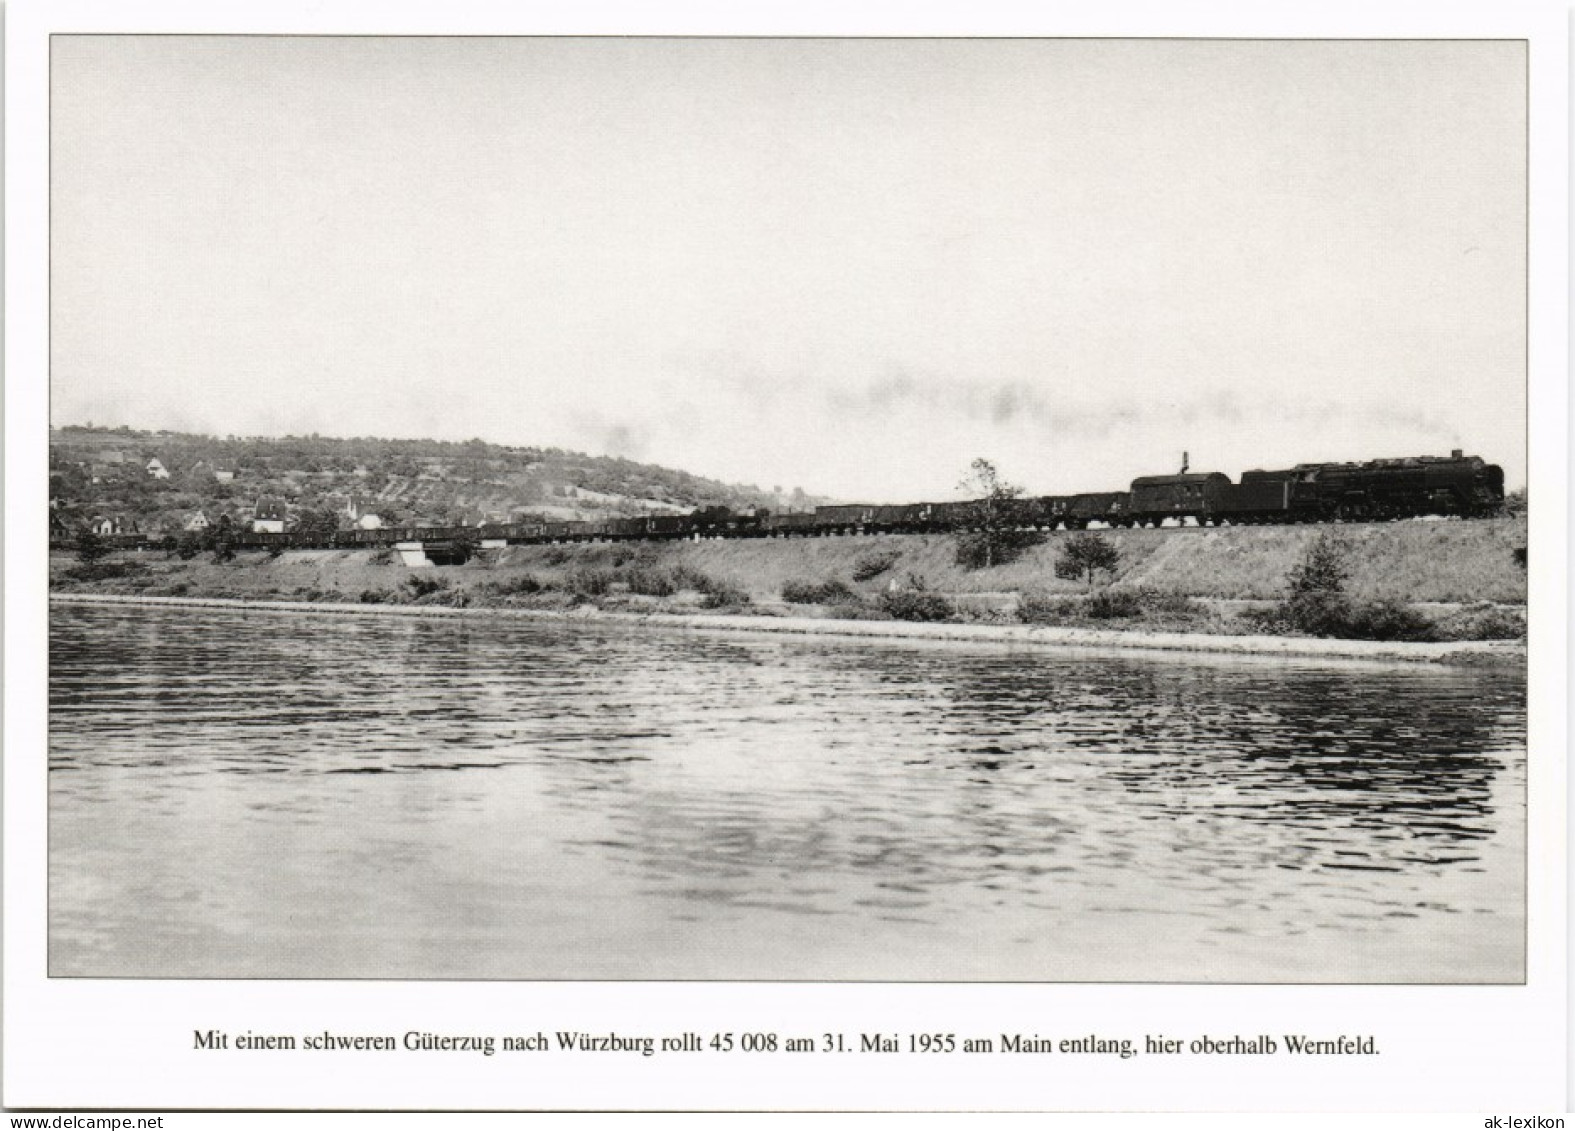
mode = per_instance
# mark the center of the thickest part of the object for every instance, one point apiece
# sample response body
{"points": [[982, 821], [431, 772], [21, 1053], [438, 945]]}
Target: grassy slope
{"points": [[1411, 561], [1408, 561]]}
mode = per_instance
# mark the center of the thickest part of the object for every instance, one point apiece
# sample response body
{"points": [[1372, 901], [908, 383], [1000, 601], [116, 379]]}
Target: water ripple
{"points": [[314, 797]]}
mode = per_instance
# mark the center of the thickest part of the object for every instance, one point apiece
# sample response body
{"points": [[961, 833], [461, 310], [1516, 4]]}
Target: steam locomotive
{"points": [[1377, 490]]}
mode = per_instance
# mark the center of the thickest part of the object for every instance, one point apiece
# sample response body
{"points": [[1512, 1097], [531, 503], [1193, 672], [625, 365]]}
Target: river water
{"points": [[253, 794]]}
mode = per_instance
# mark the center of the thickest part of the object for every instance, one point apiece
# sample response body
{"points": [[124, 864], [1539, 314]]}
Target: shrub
{"points": [[796, 592], [916, 601], [424, 586], [980, 608], [1046, 608], [1387, 620], [1335, 617], [382, 556], [99, 570], [546, 599], [724, 594], [1270, 621], [650, 582], [525, 583], [1484, 622], [868, 566], [454, 598], [916, 604], [981, 549], [586, 582], [828, 592], [717, 591], [1316, 614], [376, 597], [1163, 602], [1109, 604], [687, 577]]}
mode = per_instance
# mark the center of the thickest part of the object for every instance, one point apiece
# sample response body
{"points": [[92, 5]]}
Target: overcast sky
{"points": [[850, 265]]}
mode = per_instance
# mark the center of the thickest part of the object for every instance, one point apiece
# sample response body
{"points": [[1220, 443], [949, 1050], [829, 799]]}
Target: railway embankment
{"points": [[1460, 580]]}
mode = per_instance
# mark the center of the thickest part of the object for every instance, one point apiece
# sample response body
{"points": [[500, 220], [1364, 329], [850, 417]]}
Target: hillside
{"points": [[106, 472]]}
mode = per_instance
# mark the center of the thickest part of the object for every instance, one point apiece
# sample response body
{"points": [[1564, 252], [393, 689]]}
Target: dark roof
{"points": [[269, 507], [1179, 480]]}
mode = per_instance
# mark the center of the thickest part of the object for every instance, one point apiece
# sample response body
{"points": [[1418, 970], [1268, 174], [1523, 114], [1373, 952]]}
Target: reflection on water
{"points": [[251, 794]]}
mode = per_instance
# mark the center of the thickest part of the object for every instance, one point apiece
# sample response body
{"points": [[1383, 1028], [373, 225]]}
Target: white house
{"points": [[198, 521], [268, 516], [157, 470]]}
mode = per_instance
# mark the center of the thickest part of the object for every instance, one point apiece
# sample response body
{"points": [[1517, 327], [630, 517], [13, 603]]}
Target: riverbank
{"points": [[1417, 581], [1458, 653]]}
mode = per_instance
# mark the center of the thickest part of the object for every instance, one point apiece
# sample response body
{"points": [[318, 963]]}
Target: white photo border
{"points": [[122, 1044]]}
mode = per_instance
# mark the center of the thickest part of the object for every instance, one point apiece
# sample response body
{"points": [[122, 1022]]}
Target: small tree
{"points": [[1084, 555], [188, 546], [220, 538], [318, 523], [993, 523], [1323, 568], [90, 545], [1316, 602]]}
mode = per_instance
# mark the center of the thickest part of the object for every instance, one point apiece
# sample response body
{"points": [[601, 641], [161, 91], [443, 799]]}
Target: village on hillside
{"points": [[121, 481]]}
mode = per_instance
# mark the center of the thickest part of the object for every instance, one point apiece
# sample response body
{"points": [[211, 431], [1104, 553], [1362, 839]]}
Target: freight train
{"points": [[1377, 490]]}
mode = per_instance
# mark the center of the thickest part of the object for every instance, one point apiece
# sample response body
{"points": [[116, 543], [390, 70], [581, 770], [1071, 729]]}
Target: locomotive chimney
{"points": [[1457, 453], [1184, 463]]}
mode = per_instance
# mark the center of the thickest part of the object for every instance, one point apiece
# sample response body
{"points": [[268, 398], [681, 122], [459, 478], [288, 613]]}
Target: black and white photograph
{"points": [[837, 511]]}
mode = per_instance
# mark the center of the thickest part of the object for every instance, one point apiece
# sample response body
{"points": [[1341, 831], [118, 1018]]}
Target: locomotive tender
{"points": [[1377, 490]]}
